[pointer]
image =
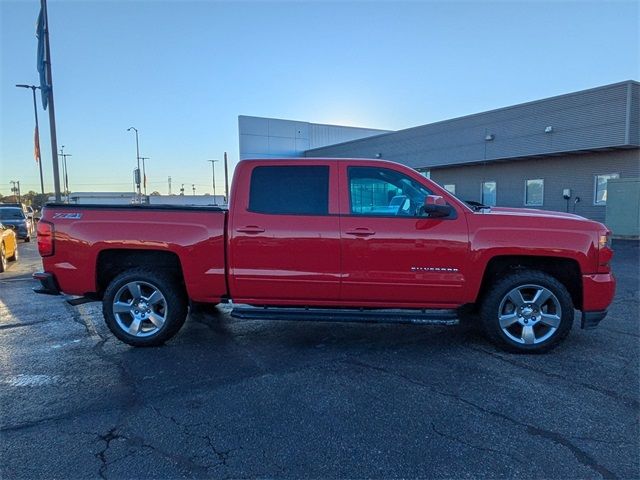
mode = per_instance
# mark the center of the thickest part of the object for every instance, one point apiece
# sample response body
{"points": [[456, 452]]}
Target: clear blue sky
{"points": [[181, 72]]}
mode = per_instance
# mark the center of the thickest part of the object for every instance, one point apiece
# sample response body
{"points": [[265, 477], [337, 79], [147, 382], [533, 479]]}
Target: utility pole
{"points": [[65, 172], [213, 178], [15, 189], [36, 138], [138, 162], [226, 179], [144, 174], [169, 185]]}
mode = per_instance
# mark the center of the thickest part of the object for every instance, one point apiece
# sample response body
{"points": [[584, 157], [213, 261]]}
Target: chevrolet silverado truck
{"points": [[332, 240]]}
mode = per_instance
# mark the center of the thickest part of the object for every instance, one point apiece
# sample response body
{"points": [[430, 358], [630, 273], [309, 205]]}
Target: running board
{"points": [[419, 317]]}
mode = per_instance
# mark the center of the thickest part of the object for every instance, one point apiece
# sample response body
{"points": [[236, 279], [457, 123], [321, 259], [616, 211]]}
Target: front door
{"points": [[391, 256]]}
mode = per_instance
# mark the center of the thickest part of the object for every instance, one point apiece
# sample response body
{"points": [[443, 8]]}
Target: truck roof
{"points": [[312, 160]]}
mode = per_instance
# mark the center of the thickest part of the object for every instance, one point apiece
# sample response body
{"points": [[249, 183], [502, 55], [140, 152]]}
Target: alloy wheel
{"points": [[529, 314], [140, 309]]}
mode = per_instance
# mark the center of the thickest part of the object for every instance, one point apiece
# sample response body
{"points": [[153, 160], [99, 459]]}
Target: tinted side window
{"points": [[384, 192], [294, 190]]}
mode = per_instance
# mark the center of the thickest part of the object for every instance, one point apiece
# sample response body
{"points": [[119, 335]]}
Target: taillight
{"points": [[45, 238], [605, 253]]}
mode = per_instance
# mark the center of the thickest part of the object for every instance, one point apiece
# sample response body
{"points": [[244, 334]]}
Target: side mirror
{"points": [[435, 206]]}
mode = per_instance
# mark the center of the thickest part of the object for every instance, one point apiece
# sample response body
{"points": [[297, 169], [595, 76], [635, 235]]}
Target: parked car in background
{"points": [[16, 218], [8, 246]]}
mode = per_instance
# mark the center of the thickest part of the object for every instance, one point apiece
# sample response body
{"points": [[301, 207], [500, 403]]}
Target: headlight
{"points": [[604, 240]]}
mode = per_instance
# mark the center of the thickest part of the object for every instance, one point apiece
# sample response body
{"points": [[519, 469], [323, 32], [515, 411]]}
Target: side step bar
{"points": [[420, 317]]}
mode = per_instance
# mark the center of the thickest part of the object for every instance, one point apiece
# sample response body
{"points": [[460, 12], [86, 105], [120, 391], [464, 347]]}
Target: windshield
{"points": [[11, 214]]}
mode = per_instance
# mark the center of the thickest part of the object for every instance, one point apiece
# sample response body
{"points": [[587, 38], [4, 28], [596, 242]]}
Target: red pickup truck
{"points": [[332, 239]]}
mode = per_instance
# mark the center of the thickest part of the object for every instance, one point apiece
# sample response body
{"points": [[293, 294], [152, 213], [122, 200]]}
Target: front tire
{"points": [[144, 308], [527, 312]]}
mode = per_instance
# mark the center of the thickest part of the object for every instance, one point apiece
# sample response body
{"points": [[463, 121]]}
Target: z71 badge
{"points": [[69, 216]]}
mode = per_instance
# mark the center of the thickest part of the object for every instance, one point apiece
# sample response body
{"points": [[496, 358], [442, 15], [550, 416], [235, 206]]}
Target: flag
{"points": [[36, 145], [41, 62]]}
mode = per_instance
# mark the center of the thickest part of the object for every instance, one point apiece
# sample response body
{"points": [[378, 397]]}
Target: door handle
{"points": [[360, 232], [250, 229]]}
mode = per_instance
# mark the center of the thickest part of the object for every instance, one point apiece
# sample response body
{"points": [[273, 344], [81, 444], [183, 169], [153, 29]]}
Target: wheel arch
{"points": [[112, 262], [565, 270]]}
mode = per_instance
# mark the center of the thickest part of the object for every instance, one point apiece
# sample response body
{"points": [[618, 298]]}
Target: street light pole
{"points": [[37, 135], [213, 178], [226, 179], [137, 160], [144, 174]]}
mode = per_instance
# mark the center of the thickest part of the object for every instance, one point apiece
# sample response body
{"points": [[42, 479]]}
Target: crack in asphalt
{"points": [[620, 332], [615, 443], [222, 455], [635, 404], [107, 438], [25, 324], [137, 442], [581, 456], [471, 445], [17, 278], [134, 403], [79, 318]]}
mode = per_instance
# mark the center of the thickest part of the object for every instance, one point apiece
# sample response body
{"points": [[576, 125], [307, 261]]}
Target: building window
{"points": [[290, 190], [489, 193], [450, 187], [534, 192], [600, 187]]}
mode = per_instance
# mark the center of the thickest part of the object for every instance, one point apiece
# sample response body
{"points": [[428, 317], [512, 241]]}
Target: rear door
{"points": [[284, 234], [392, 256]]}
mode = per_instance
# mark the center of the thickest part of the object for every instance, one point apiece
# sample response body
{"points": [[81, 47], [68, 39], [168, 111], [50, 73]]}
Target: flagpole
{"points": [[52, 114]]}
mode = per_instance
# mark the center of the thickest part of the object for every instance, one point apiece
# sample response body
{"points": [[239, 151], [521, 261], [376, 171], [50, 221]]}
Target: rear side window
{"points": [[290, 190]]}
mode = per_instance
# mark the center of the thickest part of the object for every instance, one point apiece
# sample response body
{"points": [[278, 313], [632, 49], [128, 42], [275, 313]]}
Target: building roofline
{"points": [[316, 123], [500, 109], [555, 153]]}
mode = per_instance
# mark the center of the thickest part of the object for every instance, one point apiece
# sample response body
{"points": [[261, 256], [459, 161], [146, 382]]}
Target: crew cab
{"points": [[332, 239]]}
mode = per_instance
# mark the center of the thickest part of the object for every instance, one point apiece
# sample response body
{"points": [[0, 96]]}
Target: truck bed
{"points": [[90, 235]]}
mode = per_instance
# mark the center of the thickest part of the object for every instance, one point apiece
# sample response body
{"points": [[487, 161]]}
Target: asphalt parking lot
{"points": [[256, 399]]}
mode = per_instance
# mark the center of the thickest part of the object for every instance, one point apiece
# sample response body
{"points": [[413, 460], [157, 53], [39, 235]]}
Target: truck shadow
{"points": [[213, 324]]}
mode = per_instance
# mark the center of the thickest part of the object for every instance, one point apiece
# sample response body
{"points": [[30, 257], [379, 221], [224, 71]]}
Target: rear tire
{"points": [[144, 308], [527, 312], [14, 257], [3, 258]]}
